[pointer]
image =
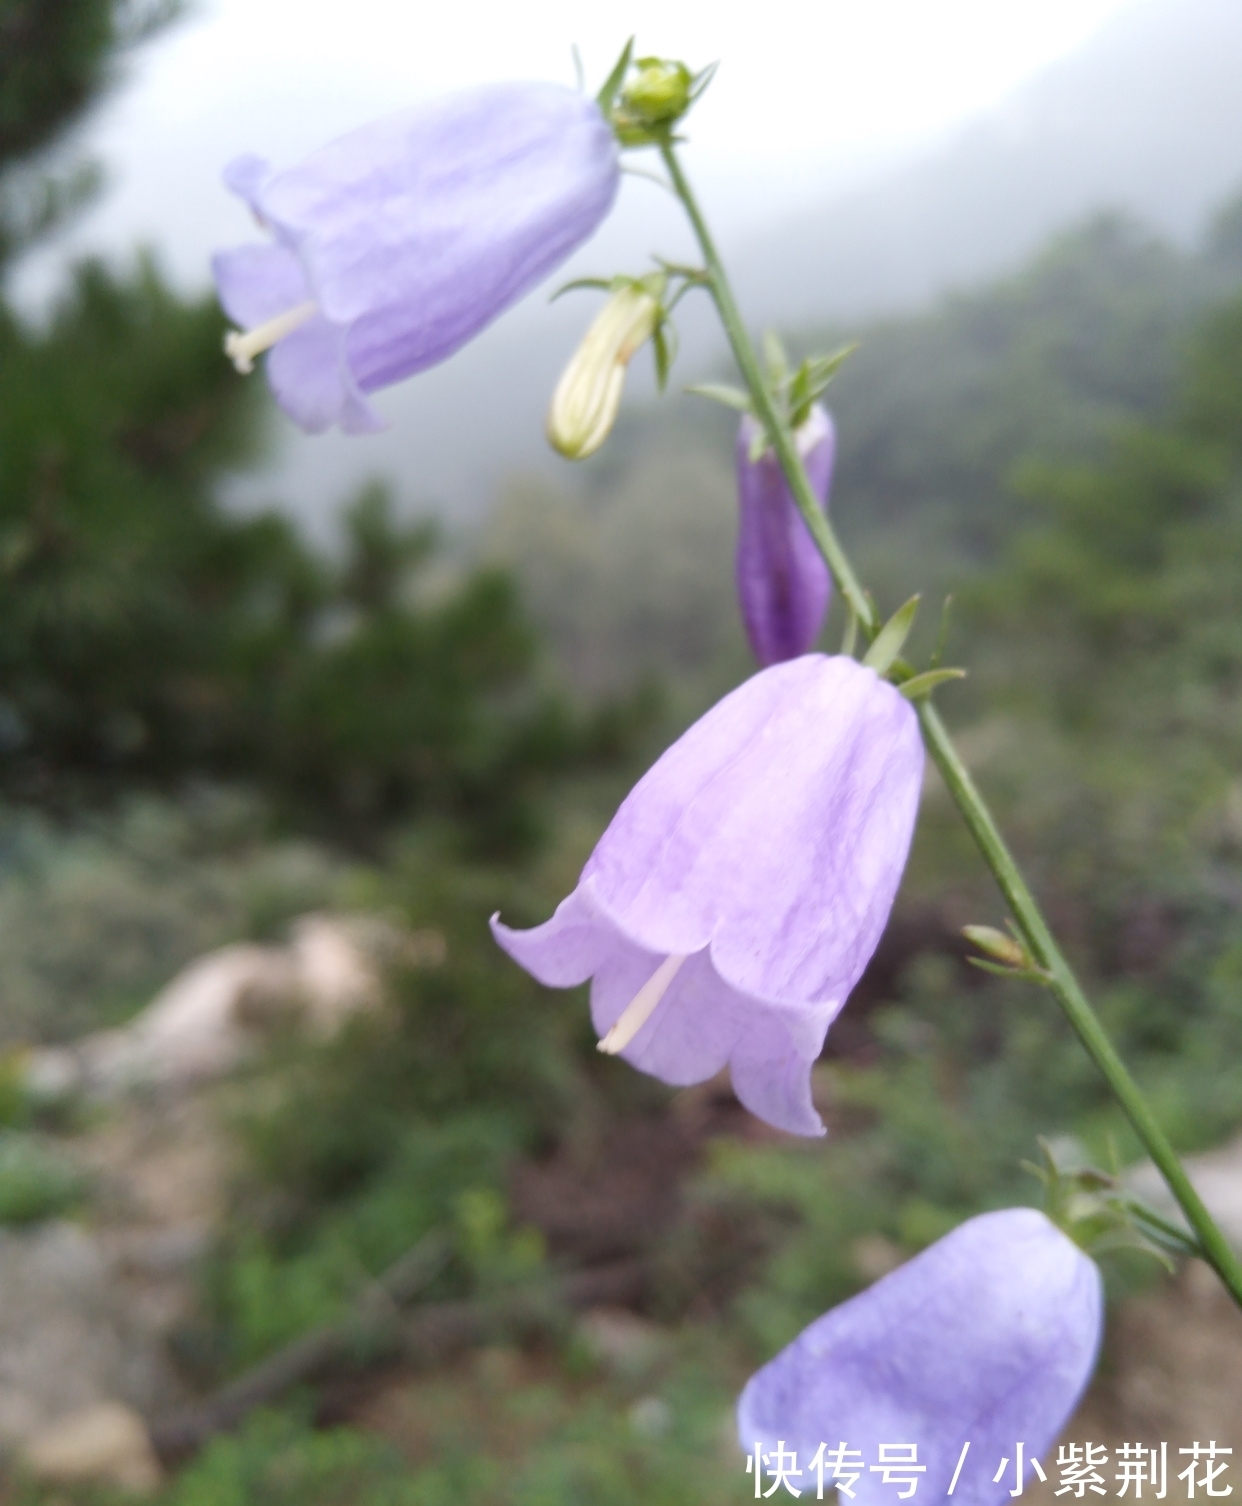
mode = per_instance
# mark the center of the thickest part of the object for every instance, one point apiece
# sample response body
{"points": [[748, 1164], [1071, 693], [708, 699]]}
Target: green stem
{"points": [[766, 411], [1068, 993], [1026, 912]]}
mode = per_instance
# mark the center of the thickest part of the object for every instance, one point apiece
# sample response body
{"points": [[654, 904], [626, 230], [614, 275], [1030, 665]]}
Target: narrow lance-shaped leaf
{"points": [[891, 638]]}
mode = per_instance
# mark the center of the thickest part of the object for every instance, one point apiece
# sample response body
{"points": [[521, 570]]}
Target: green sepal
{"points": [[775, 359], [942, 634], [695, 275], [849, 639], [664, 349], [918, 687], [721, 392], [758, 444], [607, 96], [811, 380], [1091, 1207], [700, 81], [603, 283], [1001, 970], [891, 638]]}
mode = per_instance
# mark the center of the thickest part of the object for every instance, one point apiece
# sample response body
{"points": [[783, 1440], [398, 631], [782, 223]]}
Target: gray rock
{"points": [[68, 1337], [103, 1444]]}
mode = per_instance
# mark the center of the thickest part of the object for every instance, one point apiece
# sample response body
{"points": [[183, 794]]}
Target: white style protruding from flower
{"points": [[241, 346]]}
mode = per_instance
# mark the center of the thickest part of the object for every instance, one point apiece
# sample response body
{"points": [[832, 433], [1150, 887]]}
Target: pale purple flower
{"points": [[394, 245], [988, 1337], [741, 888], [783, 584]]}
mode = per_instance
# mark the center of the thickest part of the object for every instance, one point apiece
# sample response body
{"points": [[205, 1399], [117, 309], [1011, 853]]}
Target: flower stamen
{"points": [[241, 346], [641, 1007]]}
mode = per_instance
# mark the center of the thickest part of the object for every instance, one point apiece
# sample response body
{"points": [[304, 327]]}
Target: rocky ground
{"points": [[90, 1307]]}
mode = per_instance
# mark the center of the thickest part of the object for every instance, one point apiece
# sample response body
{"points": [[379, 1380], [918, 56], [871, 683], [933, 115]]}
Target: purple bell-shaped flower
{"points": [[396, 244], [783, 584], [987, 1338], [741, 888]]}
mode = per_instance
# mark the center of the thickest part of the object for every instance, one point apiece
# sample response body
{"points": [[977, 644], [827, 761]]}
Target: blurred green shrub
{"points": [[35, 1182], [148, 636]]}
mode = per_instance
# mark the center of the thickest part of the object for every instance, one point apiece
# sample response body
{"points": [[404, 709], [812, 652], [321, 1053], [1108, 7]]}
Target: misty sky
{"points": [[809, 97], [810, 100]]}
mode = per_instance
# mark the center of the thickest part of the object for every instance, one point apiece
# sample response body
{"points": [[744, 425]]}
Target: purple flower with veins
{"points": [[741, 888], [394, 245], [988, 1337], [783, 584]]}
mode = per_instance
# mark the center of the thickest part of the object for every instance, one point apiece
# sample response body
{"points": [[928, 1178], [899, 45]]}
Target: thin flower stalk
{"points": [[1031, 925]]}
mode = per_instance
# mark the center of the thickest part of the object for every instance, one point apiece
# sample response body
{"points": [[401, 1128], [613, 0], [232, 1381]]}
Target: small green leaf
{"points": [[919, 686], [758, 444], [891, 638], [720, 392]]}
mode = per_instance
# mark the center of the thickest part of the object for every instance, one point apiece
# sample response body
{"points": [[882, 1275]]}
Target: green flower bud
{"points": [[996, 945], [660, 92], [584, 405]]}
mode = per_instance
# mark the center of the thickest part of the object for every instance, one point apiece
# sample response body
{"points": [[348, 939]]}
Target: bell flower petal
{"points": [[405, 238], [783, 584], [988, 1337], [743, 884]]}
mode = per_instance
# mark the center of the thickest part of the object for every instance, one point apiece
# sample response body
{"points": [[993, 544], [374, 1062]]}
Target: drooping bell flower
{"points": [[742, 886], [988, 1337], [396, 244], [783, 584]]}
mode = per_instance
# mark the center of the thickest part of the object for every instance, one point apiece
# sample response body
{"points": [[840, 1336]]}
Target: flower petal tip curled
{"points": [[989, 1336], [396, 244], [742, 886], [783, 584]]}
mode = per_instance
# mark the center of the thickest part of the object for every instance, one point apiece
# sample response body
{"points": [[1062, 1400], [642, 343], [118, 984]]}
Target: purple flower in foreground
{"points": [[397, 243], [783, 584], [989, 1336], [736, 897]]}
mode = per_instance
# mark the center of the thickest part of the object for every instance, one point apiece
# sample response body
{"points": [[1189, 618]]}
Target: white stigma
{"points": [[641, 1007], [241, 348]]}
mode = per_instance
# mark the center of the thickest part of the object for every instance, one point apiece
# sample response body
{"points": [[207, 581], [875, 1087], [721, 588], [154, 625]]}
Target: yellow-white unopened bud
{"points": [[584, 405]]}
